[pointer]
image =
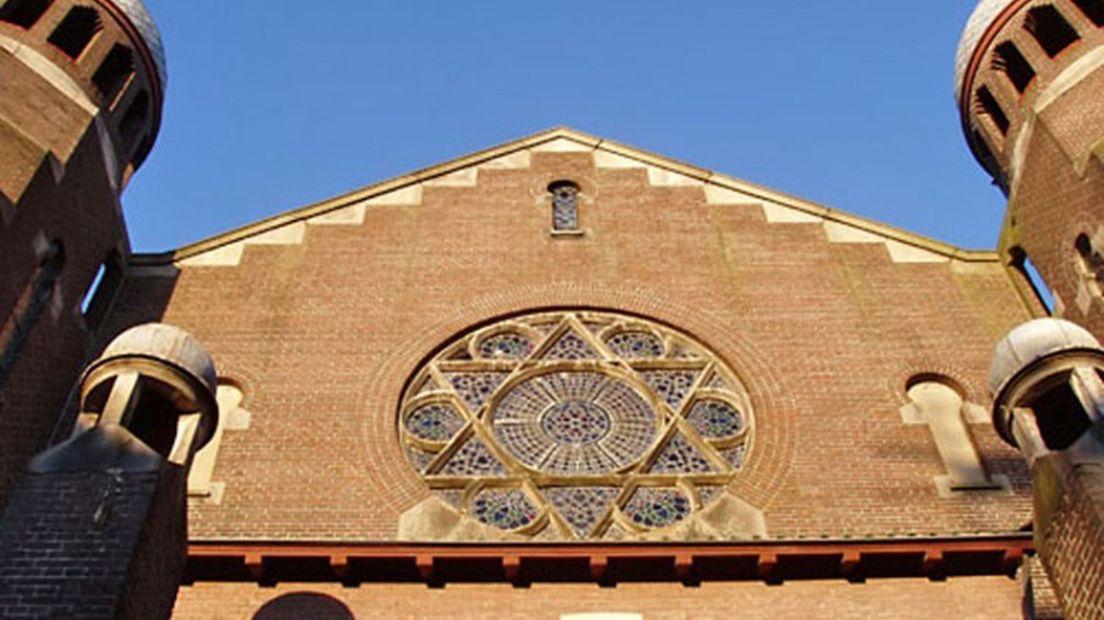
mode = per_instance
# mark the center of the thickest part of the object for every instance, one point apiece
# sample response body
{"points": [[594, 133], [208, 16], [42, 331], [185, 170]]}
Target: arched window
{"points": [[135, 118], [35, 297], [987, 104], [565, 207], [1090, 259], [1050, 29], [101, 291], [938, 403], [1031, 278], [113, 73], [23, 13], [76, 31], [1008, 60]]}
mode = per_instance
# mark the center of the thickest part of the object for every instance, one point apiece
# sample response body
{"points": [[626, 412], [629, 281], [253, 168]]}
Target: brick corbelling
{"points": [[977, 598]]}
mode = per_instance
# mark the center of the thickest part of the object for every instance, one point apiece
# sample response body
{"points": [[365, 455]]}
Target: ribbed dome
{"points": [[978, 24], [143, 22]]}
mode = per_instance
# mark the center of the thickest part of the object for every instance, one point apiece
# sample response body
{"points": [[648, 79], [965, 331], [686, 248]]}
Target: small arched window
{"points": [[34, 299], [76, 31], [23, 13], [1008, 60], [565, 207], [1050, 29], [1093, 9], [1090, 262], [114, 72]]}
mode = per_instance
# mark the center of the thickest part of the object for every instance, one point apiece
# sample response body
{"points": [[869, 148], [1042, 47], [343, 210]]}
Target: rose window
{"points": [[576, 425]]}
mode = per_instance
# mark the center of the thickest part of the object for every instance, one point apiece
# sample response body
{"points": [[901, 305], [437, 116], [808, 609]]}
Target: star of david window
{"points": [[576, 425]]}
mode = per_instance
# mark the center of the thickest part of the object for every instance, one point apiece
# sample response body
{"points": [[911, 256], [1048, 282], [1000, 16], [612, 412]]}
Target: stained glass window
{"points": [[576, 426], [565, 206]]}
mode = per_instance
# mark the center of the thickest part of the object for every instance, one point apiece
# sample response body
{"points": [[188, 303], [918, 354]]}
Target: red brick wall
{"points": [[54, 559], [1071, 548], [973, 598], [324, 334], [55, 186]]}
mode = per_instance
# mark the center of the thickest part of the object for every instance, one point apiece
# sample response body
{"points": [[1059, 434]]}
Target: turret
{"points": [[1029, 76], [84, 82], [96, 527], [1047, 379]]}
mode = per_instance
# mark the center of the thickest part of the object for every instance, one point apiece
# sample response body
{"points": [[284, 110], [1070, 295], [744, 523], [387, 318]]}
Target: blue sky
{"points": [[275, 105]]}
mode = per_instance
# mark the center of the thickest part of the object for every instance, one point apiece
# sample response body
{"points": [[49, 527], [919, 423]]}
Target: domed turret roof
{"points": [[1033, 341], [982, 18], [140, 18]]}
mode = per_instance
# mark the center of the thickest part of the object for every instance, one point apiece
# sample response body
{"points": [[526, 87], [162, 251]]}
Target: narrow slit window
{"points": [[1008, 60], [1093, 9], [134, 119], [565, 206], [113, 73], [30, 305], [24, 13], [76, 31], [988, 105], [1026, 268], [1050, 29], [100, 293]]}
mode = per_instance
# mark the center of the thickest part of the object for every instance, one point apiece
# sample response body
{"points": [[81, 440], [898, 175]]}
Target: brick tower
{"points": [[97, 527], [79, 110], [1047, 379], [1028, 79]]}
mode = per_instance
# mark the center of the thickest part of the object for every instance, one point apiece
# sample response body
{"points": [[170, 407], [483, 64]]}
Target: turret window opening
{"points": [[76, 31], [114, 72], [988, 105], [135, 118], [1050, 29], [1093, 9], [1060, 416], [1090, 262], [565, 207], [24, 13], [36, 296], [1008, 60]]}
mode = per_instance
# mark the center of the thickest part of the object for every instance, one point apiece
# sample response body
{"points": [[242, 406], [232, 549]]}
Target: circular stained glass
{"points": [[504, 509], [603, 426], [715, 419], [636, 344], [507, 345], [655, 508], [578, 422], [434, 422]]}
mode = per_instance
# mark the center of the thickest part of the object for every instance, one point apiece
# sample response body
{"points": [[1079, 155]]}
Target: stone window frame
{"points": [[949, 425], [565, 197]]}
